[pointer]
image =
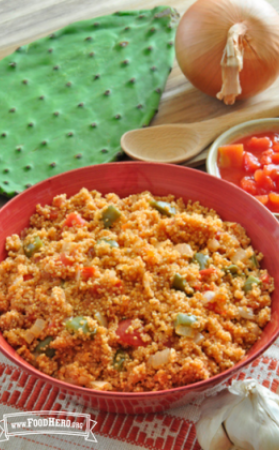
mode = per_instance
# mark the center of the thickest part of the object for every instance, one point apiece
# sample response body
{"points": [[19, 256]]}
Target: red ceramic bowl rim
{"points": [[188, 387]]}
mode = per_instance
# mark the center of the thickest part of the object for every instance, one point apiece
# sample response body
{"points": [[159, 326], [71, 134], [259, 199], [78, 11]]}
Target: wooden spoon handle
{"points": [[216, 126]]}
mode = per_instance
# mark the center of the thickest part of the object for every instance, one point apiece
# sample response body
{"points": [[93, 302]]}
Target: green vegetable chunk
{"points": [[119, 359], [178, 282], [163, 207], [111, 242], [67, 98], [254, 261], [183, 325], [33, 247], [185, 319], [110, 215], [232, 269], [249, 283], [43, 347], [78, 322], [202, 259]]}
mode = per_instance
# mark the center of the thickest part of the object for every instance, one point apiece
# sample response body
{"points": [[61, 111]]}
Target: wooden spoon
{"points": [[176, 143]]}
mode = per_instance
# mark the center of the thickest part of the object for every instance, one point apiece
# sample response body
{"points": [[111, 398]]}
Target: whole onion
{"points": [[229, 48]]}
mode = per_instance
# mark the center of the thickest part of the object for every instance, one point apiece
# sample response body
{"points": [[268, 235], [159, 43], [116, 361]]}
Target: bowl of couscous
{"points": [[135, 286]]}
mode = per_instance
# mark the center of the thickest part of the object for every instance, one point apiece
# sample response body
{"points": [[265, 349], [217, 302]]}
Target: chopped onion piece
{"points": [[246, 313], [28, 336], [240, 255], [184, 249], [208, 295], [78, 275], [213, 245], [160, 358], [38, 327], [101, 319], [98, 384], [198, 337], [184, 330], [83, 379], [35, 330]]}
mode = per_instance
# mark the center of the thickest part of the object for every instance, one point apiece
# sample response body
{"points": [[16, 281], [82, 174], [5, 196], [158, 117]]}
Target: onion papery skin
{"points": [[202, 36]]}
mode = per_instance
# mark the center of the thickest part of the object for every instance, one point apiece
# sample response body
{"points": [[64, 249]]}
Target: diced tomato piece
{"points": [[53, 214], [272, 171], [218, 235], [262, 198], [216, 307], [274, 199], [58, 201], [248, 185], [134, 338], [74, 220], [276, 146], [265, 279], [87, 272], [275, 158], [168, 343], [262, 143], [27, 277], [266, 157], [118, 284], [231, 155], [207, 272], [263, 181], [250, 162], [197, 286], [66, 261]]}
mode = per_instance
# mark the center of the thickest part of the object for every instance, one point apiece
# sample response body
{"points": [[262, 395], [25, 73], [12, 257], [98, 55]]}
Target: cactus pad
{"points": [[66, 99]]}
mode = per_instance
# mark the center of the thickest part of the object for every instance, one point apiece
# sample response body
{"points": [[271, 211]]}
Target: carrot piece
{"points": [[276, 147], [231, 155], [262, 198]]}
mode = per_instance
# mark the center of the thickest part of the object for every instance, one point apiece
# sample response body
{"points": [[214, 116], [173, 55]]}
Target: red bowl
{"points": [[232, 203]]}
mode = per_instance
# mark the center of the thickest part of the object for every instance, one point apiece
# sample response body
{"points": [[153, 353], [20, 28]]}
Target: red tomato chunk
{"points": [[133, 338], [231, 156], [261, 143], [249, 185], [88, 272], [74, 220], [252, 163]]}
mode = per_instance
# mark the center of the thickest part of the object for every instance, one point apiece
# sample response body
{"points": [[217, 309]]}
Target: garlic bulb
{"points": [[243, 417]]}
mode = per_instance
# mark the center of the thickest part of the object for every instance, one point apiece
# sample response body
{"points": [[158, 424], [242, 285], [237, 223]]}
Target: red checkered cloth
{"points": [[171, 430]]}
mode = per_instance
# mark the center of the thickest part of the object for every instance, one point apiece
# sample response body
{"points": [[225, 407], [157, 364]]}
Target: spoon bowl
{"points": [[177, 143], [163, 143]]}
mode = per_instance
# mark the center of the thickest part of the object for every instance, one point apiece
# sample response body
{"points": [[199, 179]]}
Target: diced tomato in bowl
{"points": [[249, 185], [259, 143], [252, 163]]}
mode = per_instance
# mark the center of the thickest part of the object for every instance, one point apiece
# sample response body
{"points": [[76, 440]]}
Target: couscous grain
{"points": [[132, 294]]}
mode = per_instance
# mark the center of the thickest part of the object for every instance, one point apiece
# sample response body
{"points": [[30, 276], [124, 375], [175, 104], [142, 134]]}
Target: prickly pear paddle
{"points": [[66, 99]]}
